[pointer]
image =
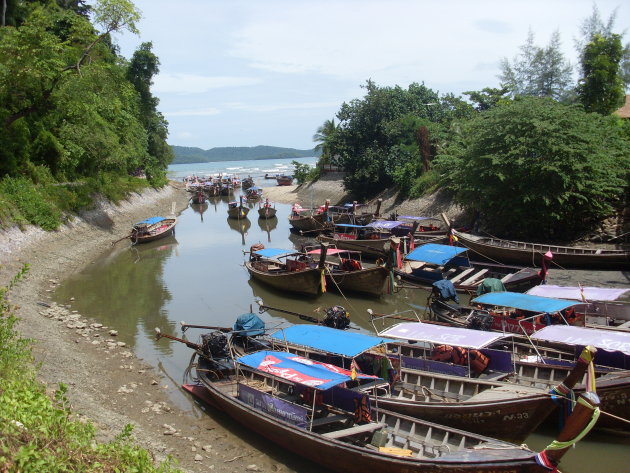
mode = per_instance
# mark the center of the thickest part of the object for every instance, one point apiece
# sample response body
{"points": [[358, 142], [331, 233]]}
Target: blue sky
{"points": [[270, 72]]}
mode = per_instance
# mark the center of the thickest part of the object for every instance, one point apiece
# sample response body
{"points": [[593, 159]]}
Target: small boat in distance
{"points": [[284, 180], [266, 210], [237, 210], [152, 229]]}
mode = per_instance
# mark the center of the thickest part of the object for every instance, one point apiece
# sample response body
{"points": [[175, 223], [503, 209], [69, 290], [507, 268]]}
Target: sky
{"points": [[270, 72]]}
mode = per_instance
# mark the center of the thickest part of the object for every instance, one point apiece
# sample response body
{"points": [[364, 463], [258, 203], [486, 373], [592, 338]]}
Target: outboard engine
{"points": [[214, 345], [336, 317], [480, 320]]}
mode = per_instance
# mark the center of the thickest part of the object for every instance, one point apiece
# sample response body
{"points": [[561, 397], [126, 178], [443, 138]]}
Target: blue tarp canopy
{"points": [[150, 221], [249, 325], [272, 252], [528, 302], [330, 340], [410, 217], [299, 370], [435, 254], [388, 224]]}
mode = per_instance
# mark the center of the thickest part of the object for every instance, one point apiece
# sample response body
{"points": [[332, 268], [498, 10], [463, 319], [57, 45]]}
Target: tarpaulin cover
{"points": [[608, 340], [387, 224], [151, 221], [516, 300], [348, 225], [447, 290], [330, 340], [299, 370], [249, 325], [440, 334], [410, 217], [570, 292], [435, 254], [330, 251], [272, 252]]}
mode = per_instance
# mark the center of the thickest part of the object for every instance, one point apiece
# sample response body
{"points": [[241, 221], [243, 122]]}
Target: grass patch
{"points": [[39, 433], [44, 202]]}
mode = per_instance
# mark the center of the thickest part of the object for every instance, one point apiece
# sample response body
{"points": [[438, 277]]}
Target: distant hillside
{"points": [[184, 154]]}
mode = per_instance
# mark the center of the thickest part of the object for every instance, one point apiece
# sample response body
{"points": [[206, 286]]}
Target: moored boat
{"points": [[433, 262], [266, 210], [287, 271], [525, 253], [284, 180], [237, 210], [152, 229], [301, 406]]}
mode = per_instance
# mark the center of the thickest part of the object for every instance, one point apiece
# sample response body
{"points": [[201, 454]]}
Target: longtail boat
{"points": [[435, 262], [237, 210], [525, 253], [266, 210], [346, 272], [301, 406], [287, 271], [152, 229], [433, 390]]}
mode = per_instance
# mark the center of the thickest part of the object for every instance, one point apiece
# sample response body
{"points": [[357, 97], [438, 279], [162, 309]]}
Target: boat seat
{"points": [[505, 392], [330, 420], [474, 277], [454, 279], [357, 429]]}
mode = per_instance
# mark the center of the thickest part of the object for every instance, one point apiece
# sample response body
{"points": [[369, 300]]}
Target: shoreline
{"points": [[107, 383]]}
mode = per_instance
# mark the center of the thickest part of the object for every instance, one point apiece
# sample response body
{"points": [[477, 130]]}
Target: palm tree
{"points": [[322, 137]]}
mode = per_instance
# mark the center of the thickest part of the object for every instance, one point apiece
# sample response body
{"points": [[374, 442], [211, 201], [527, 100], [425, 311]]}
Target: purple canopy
{"points": [[574, 293], [440, 334], [386, 224], [609, 340]]}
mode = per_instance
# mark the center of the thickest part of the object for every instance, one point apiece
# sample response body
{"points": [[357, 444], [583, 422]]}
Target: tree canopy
{"points": [[533, 167], [68, 102]]}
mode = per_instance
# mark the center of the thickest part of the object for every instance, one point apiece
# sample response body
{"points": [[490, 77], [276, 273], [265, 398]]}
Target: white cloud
{"points": [[201, 112], [196, 84], [280, 106]]}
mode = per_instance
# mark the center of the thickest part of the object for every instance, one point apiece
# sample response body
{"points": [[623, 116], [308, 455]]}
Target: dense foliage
{"points": [[70, 107], [537, 168], [39, 433], [534, 167]]}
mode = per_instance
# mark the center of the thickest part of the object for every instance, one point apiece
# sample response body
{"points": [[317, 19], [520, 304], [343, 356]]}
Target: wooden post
{"points": [[322, 255]]}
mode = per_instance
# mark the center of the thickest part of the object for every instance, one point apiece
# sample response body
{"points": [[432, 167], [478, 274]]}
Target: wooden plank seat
{"points": [[474, 277], [456, 278], [357, 429], [329, 420]]}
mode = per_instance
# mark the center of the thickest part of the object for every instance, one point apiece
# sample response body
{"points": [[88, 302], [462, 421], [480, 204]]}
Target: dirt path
{"points": [[106, 382]]}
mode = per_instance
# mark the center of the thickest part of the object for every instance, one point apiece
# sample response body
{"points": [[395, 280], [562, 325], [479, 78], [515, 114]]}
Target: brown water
{"points": [[198, 276]]}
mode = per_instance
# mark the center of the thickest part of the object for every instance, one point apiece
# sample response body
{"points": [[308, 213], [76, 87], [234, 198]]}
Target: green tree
{"points": [[537, 71], [538, 169], [323, 137], [487, 98], [601, 87]]}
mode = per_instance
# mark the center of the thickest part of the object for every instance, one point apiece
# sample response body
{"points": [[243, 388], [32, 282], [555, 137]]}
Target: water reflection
{"points": [[267, 225], [240, 225], [199, 208]]}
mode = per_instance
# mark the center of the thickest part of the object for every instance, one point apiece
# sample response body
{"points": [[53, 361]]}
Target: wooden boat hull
{"points": [[374, 248], [284, 181], [167, 230], [347, 458], [301, 282], [523, 253], [506, 419], [267, 212], [369, 281], [238, 212]]}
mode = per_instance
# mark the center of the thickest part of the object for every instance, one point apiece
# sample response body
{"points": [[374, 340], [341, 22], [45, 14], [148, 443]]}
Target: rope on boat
{"points": [[557, 445]]}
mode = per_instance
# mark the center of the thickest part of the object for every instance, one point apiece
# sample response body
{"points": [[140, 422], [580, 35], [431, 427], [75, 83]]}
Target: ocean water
{"points": [[254, 167]]}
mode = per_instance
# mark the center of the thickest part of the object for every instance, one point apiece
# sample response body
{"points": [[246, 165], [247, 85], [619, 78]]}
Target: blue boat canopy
{"points": [[272, 252], [330, 340], [528, 302], [435, 254], [411, 217], [349, 225], [300, 370], [387, 224], [150, 221]]}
